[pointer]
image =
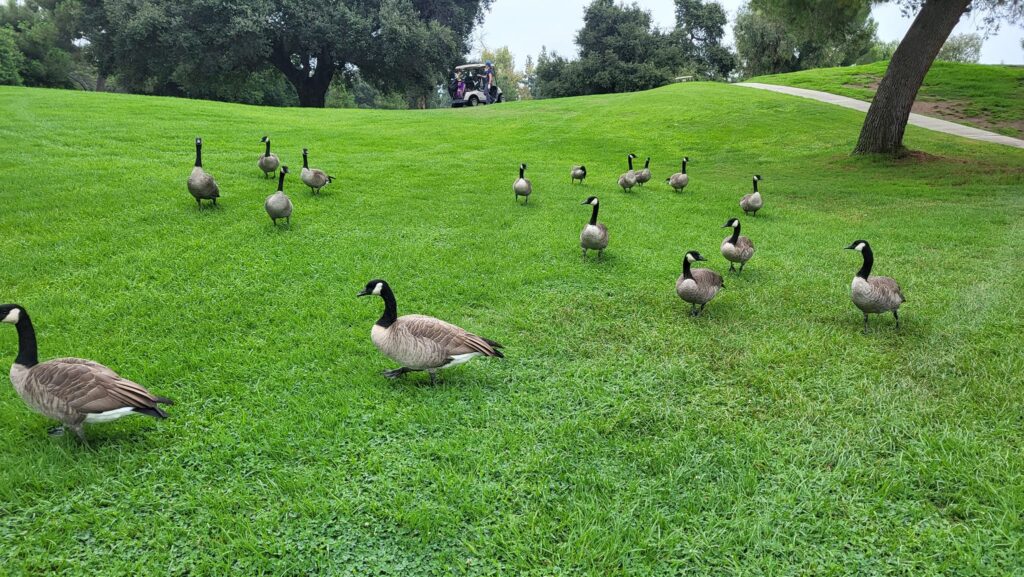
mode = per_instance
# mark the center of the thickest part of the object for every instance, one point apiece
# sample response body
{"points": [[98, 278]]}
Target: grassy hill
{"points": [[982, 95], [618, 437]]}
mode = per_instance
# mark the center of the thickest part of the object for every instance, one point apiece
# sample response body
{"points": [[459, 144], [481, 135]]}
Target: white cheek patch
{"points": [[860, 247], [690, 258], [12, 317], [594, 202], [377, 289]]}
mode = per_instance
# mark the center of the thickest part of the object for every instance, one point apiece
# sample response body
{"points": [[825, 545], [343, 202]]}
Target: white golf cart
{"points": [[466, 86]]}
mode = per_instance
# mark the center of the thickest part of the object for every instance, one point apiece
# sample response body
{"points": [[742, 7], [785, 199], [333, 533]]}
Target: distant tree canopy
{"points": [[961, 48], [619, 51], [767, 43]]}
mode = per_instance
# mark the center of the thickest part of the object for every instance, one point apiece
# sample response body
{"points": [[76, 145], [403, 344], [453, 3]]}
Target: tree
{"points": [[961, 48], [768, 44], [397, 45], [11, 59], [42, 39], [886, 120], [700, 27]]}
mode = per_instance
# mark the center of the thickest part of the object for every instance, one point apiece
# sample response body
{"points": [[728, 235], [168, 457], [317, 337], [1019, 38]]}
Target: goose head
{"points": [[265, 139], [859, 246], [10, 314], [731, 223], [199, 142], [693, 256], [522, 166], [591, 201], [375, 287]]}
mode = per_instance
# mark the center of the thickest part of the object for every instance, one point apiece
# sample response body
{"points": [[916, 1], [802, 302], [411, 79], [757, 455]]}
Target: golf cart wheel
{"points": [[501, 98], [474, 101]]}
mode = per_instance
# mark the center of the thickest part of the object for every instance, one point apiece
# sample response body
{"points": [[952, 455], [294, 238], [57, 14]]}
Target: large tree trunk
{"points": [[311, 89], [890, 109]]}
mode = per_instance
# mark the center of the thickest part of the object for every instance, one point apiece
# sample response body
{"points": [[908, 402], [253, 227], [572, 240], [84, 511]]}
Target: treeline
{"points": [[396, 53]]}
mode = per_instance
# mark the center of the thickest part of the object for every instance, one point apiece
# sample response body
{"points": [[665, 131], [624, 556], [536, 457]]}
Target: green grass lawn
{"points": [[618, 437], [983, 95]]}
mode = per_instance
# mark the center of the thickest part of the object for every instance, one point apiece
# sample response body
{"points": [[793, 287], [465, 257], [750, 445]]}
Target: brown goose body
{"points": [[578, 173], [268, 162], [751, 203], [736, 248], [71, 390], [422, 343], [628, 179], [522, 185], [679, 180], [594, 235], [643, 176]]}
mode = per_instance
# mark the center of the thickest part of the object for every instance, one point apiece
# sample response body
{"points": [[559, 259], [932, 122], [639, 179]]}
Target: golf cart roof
{"points": [[470, 66]]}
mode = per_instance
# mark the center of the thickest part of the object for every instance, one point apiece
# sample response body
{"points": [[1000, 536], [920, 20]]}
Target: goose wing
{"points": [[89, 387], [430, 333], [888, 286]]}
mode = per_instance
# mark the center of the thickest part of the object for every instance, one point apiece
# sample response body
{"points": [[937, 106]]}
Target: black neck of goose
{"points": [[593, 215], [390, 308], [647, 163], [686, 269], [268, 148], [280, 182], [684, 167], [199, 155], [735, 234], [755, 185], [305, 160], [521, 171], [28, 353], [630, 159], [869, 261]]}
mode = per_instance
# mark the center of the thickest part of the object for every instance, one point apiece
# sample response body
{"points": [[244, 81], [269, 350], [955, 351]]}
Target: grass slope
{"points": [[619, 437], [983, 95]]}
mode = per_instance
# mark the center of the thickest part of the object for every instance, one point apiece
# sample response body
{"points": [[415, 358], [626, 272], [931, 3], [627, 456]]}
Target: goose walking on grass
{"points": [[267, 162], [522, 186], [200, 184], [736, 248], [628, 179], [874, 294], [278, 205], [679, 180], [73, 391], [697, 286], [751, 203], [314, 178], [643, 176], [594, 235], [578, 173], [422, 343]]}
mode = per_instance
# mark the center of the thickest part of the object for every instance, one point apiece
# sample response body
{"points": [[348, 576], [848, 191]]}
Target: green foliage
{"points": [[700, 27], [42, 38], [964, 48], [769, 43], [11, 59], [619, 438]]}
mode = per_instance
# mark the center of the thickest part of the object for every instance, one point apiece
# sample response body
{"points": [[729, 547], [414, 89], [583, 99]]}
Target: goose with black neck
{"points": [[278, 205], [628, 179], [314, 178], [736, 248], [594, 235], [751, 203], [419, 342], [522, 186], [874, 294], [268, 162], [679, 180], [71, 390], [201, 185]]}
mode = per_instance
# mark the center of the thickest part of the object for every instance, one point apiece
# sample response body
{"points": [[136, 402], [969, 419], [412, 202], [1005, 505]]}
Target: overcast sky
{"points": [[526, 25]]}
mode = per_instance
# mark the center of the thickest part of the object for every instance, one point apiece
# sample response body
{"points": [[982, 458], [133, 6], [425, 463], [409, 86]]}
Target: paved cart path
{"points": [[915, 119]]}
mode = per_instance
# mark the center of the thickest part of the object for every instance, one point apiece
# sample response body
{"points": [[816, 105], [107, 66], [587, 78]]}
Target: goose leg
{"points": [[433, 377], [896, 315], [742, 264], [199, 202], [273, 220], [600, 254], [395, 373], [701, 309], [288, 221], [584, 254], [79, 432], [693, 309], [865, 323], [215, 201], [732, 267]]}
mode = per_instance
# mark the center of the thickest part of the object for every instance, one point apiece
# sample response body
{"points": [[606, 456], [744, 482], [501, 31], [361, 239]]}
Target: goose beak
{"points": [[363, 293], [851, 247], [701, 258]]}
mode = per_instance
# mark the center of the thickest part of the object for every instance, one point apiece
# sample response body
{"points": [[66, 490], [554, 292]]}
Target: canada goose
{"points": [[874, 294], [594, 235], [752, 202], [679, 180], [278, 205], [200, 184], [314, 178], [72, 391], [522, 186], [578, 173], [644, 174], [268, 163], [628, 180], [697, 286], [422, 343], [736, 248]]}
